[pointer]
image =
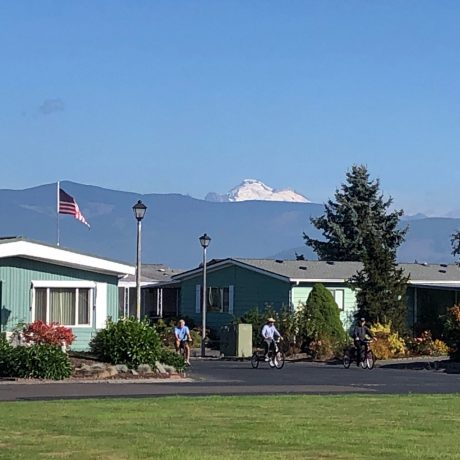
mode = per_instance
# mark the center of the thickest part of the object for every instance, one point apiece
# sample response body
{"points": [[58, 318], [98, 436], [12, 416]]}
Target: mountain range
{"points": [[174, 222]]}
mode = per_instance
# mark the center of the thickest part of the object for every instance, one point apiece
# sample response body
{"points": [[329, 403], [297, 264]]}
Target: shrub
{"points": [[171, 358], [452, 332], [425, 345], [39, 332], [128, 341], [389, 344], [320, 319], [5, 357], [41, 361]]}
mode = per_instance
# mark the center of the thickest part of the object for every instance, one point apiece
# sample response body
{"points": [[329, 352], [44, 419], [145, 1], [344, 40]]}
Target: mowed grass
{"points": [[246, 427]]}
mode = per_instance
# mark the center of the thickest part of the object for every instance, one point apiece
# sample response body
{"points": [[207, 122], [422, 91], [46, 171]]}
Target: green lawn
{"points": [[265, 427]]}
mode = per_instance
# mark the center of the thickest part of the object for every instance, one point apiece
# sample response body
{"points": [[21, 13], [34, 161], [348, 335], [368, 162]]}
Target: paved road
{"points": [[237, 377]]}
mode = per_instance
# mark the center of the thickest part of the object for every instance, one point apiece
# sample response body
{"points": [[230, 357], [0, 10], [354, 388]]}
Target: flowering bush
{"points": [[39, 333], [389, 344], [425, 345]]}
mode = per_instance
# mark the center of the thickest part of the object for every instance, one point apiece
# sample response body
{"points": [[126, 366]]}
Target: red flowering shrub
{"points": [[39, 332]]}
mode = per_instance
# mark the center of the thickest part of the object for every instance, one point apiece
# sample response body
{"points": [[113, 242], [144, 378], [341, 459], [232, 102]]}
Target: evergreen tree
{"points": [[359, 209], [358, 227], [455, 241], [381, 287], [322, 317]]}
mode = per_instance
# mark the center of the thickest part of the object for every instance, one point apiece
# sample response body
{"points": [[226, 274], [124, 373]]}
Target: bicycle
{"points": [[367, 362], [276, 357], [182, 351]]}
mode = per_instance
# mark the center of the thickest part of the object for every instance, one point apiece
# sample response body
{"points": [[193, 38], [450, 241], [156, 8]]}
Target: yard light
{"points": [[139, 211], [204, 241]]}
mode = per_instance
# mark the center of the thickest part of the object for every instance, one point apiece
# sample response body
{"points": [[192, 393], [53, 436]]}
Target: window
{"points": [[218, 299], [339, 296], [67, 306]]}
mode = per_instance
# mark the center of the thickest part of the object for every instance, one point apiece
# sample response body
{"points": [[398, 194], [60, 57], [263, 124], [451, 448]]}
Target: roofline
{"points": [[209, 268], [433, 282], [22, 247], [318, 280]]}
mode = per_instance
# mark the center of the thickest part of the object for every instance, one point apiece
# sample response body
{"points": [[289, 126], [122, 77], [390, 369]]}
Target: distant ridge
{"points": [[173, 223]]}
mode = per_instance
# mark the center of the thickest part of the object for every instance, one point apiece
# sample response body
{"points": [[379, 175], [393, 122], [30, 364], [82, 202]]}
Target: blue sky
{"points": [[194, 96]]}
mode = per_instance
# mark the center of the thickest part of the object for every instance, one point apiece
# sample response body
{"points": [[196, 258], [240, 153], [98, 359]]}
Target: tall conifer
{"points": [[358, 226]]}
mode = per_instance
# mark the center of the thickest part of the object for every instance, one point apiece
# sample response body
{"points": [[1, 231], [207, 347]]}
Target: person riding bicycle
{"points": [[183, 337], [361, 334], [270, 334]]}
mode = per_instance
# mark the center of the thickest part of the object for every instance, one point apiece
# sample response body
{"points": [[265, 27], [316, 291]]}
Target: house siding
{"points": [[251, 290], [16, 276]]}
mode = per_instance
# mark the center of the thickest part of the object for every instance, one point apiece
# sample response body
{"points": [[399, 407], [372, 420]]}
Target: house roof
{"points": [[328, 271], [58, 255], [152, 274]]}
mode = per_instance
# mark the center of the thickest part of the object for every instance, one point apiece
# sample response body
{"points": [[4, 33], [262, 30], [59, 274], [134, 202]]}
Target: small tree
{"points": [[321, 320]]}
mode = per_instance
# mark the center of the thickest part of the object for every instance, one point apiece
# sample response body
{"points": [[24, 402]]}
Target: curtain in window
{"points": [[62, 306], [83, 306], [40, 304]]}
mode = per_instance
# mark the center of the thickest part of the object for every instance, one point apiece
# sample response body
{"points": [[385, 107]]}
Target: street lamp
{"points": [[204, 241], [139, 211]]}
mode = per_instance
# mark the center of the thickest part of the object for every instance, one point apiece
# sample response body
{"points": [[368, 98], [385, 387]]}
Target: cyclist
{"points": [[360, 335], [183, 337], [270, 334]]}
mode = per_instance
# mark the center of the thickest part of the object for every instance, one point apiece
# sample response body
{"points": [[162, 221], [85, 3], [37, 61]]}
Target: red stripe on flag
{"points": [[68, 205]]}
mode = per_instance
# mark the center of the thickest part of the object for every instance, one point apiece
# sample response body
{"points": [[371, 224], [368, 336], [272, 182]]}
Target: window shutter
{"points": [[198, 298], [230, 299]]}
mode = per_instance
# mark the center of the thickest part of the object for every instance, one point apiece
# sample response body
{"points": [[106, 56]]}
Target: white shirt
{"points": [[269, 331]]}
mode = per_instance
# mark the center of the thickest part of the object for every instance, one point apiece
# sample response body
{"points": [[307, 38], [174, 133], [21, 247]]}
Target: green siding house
{"points": [[235, 286], [51, 283]]}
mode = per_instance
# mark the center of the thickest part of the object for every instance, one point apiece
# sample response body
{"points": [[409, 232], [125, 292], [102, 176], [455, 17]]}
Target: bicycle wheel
{"points": [[255, 360], [370, 360], [346, 360], [279, 360]]}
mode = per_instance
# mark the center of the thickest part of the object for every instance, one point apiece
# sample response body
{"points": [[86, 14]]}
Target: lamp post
{"points": [[139, 211], [204, 241]]}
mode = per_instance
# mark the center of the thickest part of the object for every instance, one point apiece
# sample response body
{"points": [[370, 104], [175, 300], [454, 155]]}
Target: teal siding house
{"points": [[235, 286], [51, 283]]}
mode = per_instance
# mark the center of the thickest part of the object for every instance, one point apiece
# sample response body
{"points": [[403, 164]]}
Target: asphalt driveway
{"points": [[220, 377]]}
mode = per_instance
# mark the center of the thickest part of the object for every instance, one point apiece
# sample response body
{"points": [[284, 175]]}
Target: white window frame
{"points": [[333, 291], [42, 284]]}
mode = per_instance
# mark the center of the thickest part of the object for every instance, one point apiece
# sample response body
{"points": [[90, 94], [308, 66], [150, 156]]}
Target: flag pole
{"points": [[57, 211]]}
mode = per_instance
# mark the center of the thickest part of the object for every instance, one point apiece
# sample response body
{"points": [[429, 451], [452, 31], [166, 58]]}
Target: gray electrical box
{"points": [[236, 340]]}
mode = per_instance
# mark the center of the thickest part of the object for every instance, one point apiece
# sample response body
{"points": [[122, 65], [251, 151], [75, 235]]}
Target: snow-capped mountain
{"points": [[252, 189]]}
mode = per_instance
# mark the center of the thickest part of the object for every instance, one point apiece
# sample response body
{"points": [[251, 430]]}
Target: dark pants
{"points": [[361, 348]]}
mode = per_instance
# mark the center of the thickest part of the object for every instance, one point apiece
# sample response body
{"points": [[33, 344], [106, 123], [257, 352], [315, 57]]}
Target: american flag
{"points": [[68, 205]]}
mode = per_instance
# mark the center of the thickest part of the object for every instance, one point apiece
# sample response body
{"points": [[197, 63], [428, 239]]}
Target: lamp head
{"points": [[204, 241], [139, 210]]}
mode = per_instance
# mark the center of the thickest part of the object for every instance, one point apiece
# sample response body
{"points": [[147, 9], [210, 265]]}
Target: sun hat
{"points": [[270, 320]]}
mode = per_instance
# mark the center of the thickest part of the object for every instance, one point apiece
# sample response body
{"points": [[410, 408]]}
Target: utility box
{"points": [[236, 340]]}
